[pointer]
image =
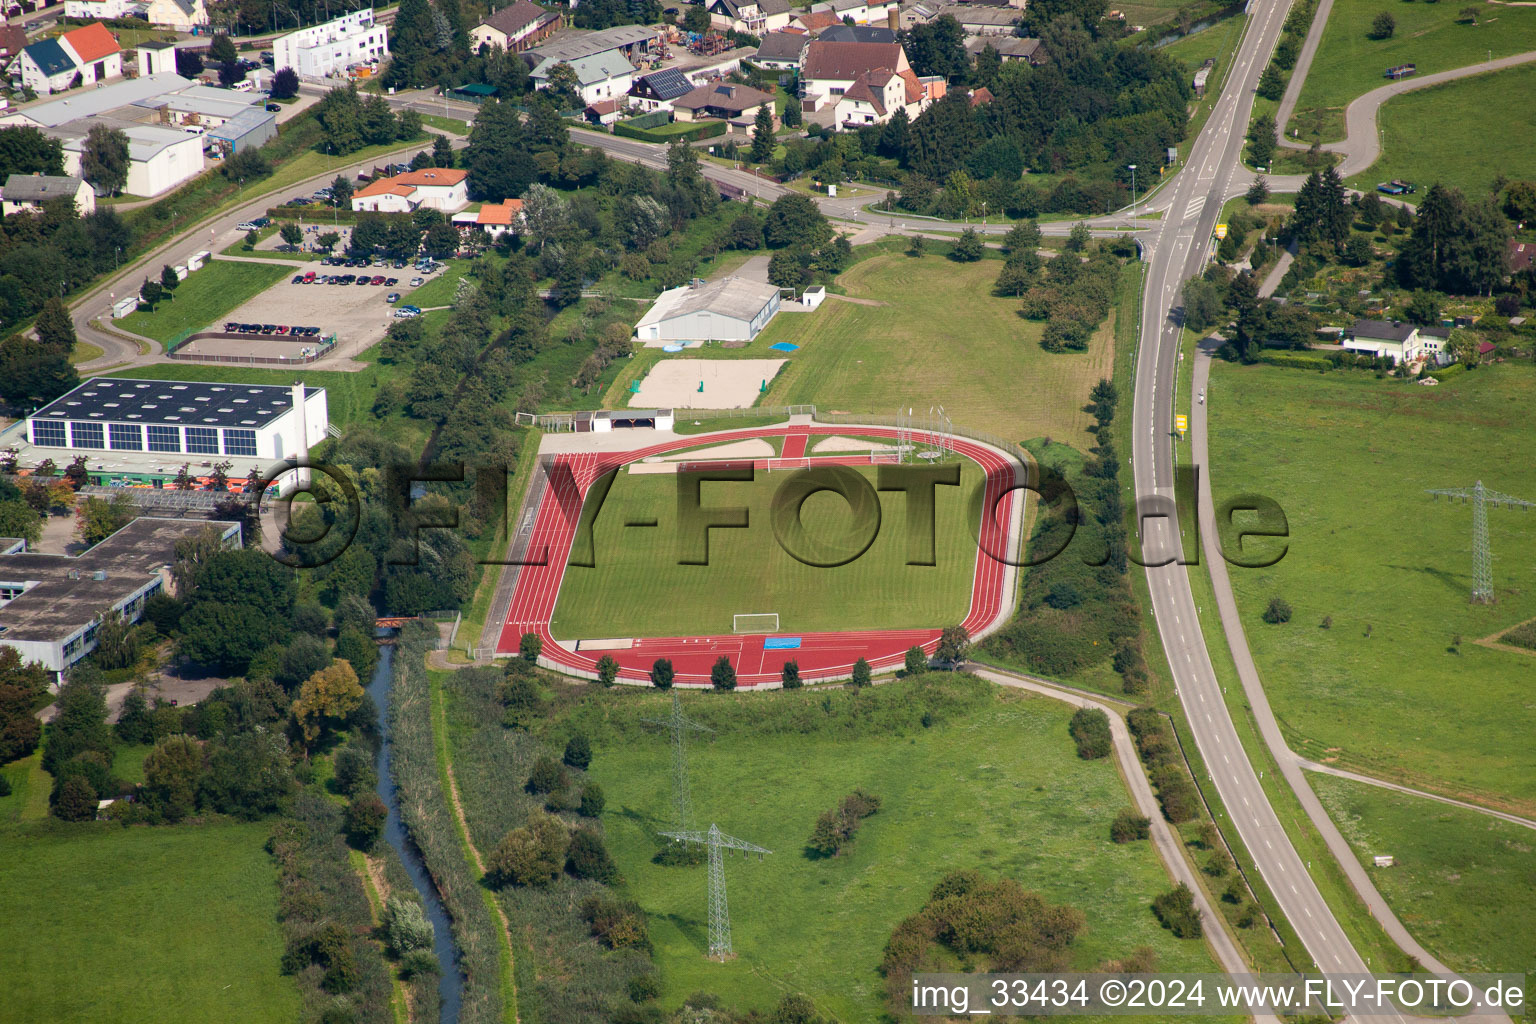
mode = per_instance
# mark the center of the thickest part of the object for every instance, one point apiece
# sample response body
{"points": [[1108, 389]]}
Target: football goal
{"points": [[755, 622]]}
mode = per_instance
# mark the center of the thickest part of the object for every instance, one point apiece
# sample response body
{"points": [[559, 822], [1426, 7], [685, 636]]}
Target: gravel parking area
{"points": [[356, 314]]}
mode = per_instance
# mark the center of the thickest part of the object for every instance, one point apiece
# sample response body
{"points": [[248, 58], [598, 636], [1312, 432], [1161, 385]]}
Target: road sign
{"points": [[1181, 423], [1221, 231]]}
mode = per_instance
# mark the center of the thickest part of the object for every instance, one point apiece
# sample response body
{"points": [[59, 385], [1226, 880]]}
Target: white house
{"points": [[495, 219], [333, 47], [781, 51], [730, 309], [89, 53], [517, 26], [441, 188], [754, 17], [875, 96], [1397, 341], [829, 69], [601, 76], [27, 192], [863, 12], [181, 15], [159, 158]]}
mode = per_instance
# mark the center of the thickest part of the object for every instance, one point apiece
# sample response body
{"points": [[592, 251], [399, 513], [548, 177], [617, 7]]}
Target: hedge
{"points": [[1296, 360], [705, 130]]}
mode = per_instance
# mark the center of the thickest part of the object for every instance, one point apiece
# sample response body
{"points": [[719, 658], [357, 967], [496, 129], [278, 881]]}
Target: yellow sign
{"points": [[1181, 423], [1221, 231]]}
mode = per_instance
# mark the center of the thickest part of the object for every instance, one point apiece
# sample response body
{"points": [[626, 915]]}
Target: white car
{"points": [[1202, 396]]}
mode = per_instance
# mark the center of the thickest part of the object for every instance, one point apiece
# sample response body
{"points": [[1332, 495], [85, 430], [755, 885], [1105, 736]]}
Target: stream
{"points": [[450, 987]]}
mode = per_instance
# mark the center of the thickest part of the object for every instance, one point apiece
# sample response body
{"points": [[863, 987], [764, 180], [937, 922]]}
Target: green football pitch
{"points": [[635, 586]]}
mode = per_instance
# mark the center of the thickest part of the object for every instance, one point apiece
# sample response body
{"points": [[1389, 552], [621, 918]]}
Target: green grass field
{"points": [[1461, 133], [1384, 689], [203, 298], [1349, 64], [1463, 883], [142, 925], [637, 588], [439, 290], [995, 786], [903, 345]]}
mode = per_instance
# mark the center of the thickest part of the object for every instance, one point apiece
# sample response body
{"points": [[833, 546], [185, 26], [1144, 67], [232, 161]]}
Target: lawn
{"points": [[447, 124], [439, 290], [902, 345], [1461, 133], [143, 924], [1349, 64], [993, 785], [1463, 883], [203, 298], [638, 588], [1378, 667]]}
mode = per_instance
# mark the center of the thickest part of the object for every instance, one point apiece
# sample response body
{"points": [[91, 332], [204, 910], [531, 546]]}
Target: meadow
{"points": [[1349, 63], [1461, 133], [1464, 883], [203, 298], [637, 586], [142, 924], [1378, 668], [992, 784]]}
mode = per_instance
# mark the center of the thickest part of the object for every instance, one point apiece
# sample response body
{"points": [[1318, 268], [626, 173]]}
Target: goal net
{"points": [[755, 622]]}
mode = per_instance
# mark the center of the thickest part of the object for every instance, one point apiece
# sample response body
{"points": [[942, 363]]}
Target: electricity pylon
{"points": [[680, 724], [1482, 556], [719, 910]]}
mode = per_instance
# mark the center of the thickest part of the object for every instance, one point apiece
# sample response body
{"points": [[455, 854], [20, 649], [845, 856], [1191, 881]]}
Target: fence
{"points": [[316, 351]]}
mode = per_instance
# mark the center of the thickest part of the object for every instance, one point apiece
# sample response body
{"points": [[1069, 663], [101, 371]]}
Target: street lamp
{"points": [[1133, 194]]}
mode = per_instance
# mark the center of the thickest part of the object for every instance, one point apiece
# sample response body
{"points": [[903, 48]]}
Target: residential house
{"points": [[781, 51], [829, 69], [28, 192], [1398, 341], [841, 33], [1009, 48], [605, 112], [875, 96], [180, 15], [657, 90], [516, 27], [815, 22], [983, 19], [496, 219], [440, 188], [13, 39], [334, 47], [602, 76], [723, 100], [861, 12], [754, 17], [95, 52], [47, 67]]}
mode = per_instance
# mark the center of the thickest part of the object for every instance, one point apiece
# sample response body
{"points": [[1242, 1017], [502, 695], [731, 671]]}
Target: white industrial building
{"points": [[730, 309], [333, 47], [159, 158], [51, 605]]}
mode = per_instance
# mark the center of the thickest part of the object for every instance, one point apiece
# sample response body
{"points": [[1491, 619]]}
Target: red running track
{"points": [[820, 655]]}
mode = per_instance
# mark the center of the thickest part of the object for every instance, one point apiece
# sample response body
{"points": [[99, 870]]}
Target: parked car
{"points": [[364, 279], [378, 279], [298, 278], [281, 329], [391, 281], [417, 282], [392, 298], [309, 278], [412, 309], [231, 327], [273, 108]]}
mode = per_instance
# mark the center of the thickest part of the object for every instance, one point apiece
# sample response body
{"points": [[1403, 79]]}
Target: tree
{"points": [[54, 326], [285, 84], [251, 238], [168, 280], [230, 72], [546, 776], [1383, 25], [442, 151], [79, 725], [18, 519], [500, 164], [531, 855], [1177, 911], [150, 292], [1424, 308], [861, 673], [916, 661], [172, 772], [26, 150], [341, 192], [223, 637], [406, 928], [954, 645], [916, 247], [1261, 140], [762, 135], [222, 49], [1277, 611], [696, 19], [578, 751], [1079, 237], [326, 699], [587, 857], [249, 774], [302, 658], [1519, 199], [1090, 731], [722, 675], [1271, 83], [291, 233], [661, 674], [794, 220], [968, 248], [789, 675], [328, 240], [97, 519], [1258, 192], [75, 799], [1129, 826], [353, 770], [1024, 236], [1202, 304], [1358, 251]]}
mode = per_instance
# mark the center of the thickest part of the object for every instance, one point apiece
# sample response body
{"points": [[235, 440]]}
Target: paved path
{"points": [[1299, 72], [1344, 773], [1272, 279]]}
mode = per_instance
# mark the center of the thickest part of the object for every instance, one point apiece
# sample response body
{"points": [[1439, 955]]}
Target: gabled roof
{"points": [[384, 187], [92, 42], [816, 21], [668, 84], [914, 85], [1381, 330], [51, 58], [589, 70], [39, 188], [980, 96], [514, 17], [584, 44], [864, 89], [724, 96], [500, 213], [781, 46], [442, 176], [847, 60], [841, 33], [13, 39]]}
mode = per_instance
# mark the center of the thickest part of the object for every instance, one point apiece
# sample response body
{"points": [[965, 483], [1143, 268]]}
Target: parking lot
{"points": [[358, 314]]}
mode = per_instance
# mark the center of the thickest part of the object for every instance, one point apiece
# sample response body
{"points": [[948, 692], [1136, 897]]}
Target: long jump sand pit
{"points": [[727, 383]]}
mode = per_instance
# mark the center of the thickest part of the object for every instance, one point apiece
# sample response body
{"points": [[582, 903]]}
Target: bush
{"points": [[644, 987], [607, 670], [834, 829], [722, 675], [592, 801], [1177, 911], [406, 928], [1090, 730], [1277, 611], [533, 854], [1129, 826], [662, 674], [364, 820], [74, 799], [860, 672], [547, 776], [617, 924], [353, 772], [529, 646], [578, 752], [789, 675], [588, 857]]}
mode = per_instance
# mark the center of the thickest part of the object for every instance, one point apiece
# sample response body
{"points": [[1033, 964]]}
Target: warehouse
{"points": [[730, 309], [249, 129]]}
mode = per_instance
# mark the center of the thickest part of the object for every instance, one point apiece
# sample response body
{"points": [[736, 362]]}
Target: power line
{"points": [[680, 725], [1482, 553], [719, 909]]}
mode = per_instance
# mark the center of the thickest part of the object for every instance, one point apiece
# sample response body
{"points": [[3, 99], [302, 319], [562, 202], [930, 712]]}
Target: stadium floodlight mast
{"points": [[1482, 555], [680, 724], [719, 909]]}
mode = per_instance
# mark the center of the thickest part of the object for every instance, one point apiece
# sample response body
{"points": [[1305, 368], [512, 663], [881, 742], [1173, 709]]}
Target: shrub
{"points": [[1218, 864], [617, 924], [364, 820], [661, 674], [789, 675], [834, 829], [406, 928], [1278, 611], [644, 987], [533, 854], [1129, 826], [578, 752], [588, 857], [1177, 911], [722, 675], [530, 646], [592, 801], [607, 670], [917, 661], [1090, 730], [546, 777], [74, 799], [353, 772], [861, 672]]}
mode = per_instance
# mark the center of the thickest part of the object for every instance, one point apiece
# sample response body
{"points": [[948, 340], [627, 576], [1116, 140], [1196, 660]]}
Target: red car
{"points": [[282, 328], [379, 279]]}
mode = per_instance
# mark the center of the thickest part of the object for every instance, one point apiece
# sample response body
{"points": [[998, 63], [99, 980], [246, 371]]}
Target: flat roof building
{"points": [[95, 102], [730, 309], [51, 605], [333, 47], [252, 128]]}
